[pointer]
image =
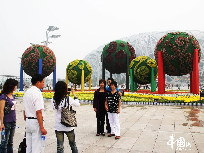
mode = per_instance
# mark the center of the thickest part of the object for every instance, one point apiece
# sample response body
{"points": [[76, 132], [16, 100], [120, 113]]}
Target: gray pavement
{"points": [[144, 129]]}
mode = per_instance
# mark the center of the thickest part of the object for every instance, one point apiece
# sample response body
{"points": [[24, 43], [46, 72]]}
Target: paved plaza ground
{"points": [[144, 129]]}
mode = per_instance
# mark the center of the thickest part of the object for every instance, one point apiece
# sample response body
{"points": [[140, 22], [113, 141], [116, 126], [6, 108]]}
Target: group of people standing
{"points": [[107, 102], [107, 105], [33, 115], [33, 103]]}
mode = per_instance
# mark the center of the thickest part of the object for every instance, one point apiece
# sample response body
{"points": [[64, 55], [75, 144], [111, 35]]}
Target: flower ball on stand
{"points": [[141, 67], [30, 60], [74, 71], [115, 56], [177, 50]]}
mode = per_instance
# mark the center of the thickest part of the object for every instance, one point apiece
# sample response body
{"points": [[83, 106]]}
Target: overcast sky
{"points": [[86, 24]]}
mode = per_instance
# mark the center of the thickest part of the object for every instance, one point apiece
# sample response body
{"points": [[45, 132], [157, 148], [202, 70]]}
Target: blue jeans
{"points": [[60, 141], [7, 144]]}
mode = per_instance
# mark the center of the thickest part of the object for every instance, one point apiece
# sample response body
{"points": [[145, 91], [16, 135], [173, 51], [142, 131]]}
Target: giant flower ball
{"points": [[74, 71], [178, 49], [30, 60], [114, 56], [141, 67]]}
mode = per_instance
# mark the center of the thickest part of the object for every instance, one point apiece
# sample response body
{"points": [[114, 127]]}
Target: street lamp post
{"points": [[50, 28]]}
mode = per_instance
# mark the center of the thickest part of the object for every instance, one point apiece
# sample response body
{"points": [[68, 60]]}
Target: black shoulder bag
{"points": [[68, 118]]}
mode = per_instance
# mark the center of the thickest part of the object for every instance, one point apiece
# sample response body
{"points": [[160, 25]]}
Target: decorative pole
{"points": [[90, 82], [103, 67], [66, 79], [131, 81], [54, 78], [21, 78], [127, 72], [135, 86], [82, 80], [111, 75], [161, 75], [40, 66], [153, 82], [195, 78]]}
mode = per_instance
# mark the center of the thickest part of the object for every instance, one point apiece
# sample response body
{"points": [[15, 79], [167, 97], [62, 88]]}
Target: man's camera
{"points": [[69, 90]]}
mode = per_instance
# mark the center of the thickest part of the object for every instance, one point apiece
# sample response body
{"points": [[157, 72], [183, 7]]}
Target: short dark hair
{"points": [[9, 86], [111, 79], [36, 78], [114, 83], [102, 80]]}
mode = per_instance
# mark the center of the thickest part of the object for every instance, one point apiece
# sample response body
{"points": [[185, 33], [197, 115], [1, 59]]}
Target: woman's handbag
{"points": [[68, 118]]}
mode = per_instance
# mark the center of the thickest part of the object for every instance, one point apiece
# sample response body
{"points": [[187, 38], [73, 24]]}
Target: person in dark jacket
{"points": [[99, 107]]}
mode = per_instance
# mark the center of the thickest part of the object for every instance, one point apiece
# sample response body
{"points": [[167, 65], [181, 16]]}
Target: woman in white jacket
{"points": [[58, 102]]}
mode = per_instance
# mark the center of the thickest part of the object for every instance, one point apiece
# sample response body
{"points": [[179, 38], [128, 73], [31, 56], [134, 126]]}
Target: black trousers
{"points": [[100, 122]]}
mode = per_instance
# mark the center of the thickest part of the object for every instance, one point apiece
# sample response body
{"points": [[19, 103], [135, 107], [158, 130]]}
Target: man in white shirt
{"points": [[34, 104]]}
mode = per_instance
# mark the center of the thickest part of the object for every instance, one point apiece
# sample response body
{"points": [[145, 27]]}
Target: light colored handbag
{"points": [[68, 118]]}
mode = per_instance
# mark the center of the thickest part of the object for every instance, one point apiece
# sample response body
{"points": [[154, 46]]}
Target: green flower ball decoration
{"points": [[141, 67], [30, 60], [178, 49], [114, 56], [74, 71]]}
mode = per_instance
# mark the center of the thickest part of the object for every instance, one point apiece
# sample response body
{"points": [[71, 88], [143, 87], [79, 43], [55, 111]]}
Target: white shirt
{"points": [[58, 126], [33, 101]]}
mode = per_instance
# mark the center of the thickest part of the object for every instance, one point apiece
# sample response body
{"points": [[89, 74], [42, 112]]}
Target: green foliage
{"points": [[74, 71]]}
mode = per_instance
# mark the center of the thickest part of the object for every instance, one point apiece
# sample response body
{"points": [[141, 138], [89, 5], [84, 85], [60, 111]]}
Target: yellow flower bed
{"points": [[49, 95], [132, 97], [169, 97]]}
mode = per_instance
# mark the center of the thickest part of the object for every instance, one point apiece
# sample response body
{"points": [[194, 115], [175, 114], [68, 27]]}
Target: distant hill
{"points": [[144, 44]]}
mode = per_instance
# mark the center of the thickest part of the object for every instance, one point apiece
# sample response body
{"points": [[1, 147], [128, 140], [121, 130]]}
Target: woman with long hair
{"points": [[58, 101], [8, 118], [99, 107]]}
